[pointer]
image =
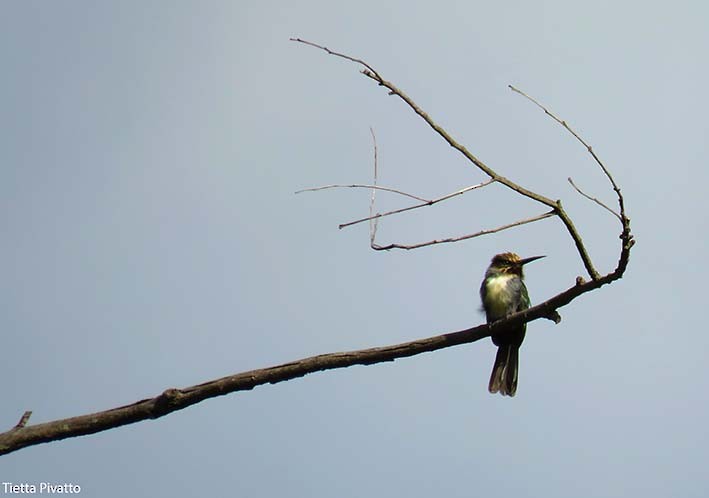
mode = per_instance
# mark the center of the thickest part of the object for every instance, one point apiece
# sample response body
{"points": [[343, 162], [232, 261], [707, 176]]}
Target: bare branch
{"points": [[172, 400], [393, 90], [594, 200], [464, 237], [556, 205], [426, 202]]}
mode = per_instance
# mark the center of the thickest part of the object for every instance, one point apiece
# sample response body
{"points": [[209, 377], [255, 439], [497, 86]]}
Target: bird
{"points": [[503, 293]]}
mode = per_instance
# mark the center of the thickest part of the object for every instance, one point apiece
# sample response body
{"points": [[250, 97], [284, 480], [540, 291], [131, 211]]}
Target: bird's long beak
{"points": [[529, 260]]}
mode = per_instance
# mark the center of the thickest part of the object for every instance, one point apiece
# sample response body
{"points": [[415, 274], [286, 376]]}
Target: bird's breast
{"points": [[498, 298]]}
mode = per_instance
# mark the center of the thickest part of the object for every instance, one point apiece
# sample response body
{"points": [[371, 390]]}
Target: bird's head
{"points": [[510, 263]]}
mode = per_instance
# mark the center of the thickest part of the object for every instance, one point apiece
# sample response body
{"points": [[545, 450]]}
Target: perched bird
{"points": [[503, 293]]}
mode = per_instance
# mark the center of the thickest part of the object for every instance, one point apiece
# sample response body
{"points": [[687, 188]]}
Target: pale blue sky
{"points": [[149, 155]]}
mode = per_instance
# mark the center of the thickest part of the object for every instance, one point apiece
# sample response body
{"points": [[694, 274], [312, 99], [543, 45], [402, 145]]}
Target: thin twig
{"points": [[426, 202], [361, 185], [465, 237], [344, 56], [594, 200], [373, 223]]}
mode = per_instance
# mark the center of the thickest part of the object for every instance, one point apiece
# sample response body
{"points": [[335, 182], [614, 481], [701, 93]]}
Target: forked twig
{"points": [[626, 236], [588, 148]]}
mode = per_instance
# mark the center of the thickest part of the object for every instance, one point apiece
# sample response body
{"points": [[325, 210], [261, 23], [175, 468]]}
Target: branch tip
{"points": [[604, 206], [23, 420], [554, 316]]}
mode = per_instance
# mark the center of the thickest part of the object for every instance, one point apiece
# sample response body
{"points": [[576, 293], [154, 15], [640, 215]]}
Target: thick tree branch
{"points": [[172, 400]]}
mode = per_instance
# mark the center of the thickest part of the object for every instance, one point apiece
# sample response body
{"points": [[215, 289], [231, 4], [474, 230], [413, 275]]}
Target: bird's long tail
{"points": [[504, 373]]}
